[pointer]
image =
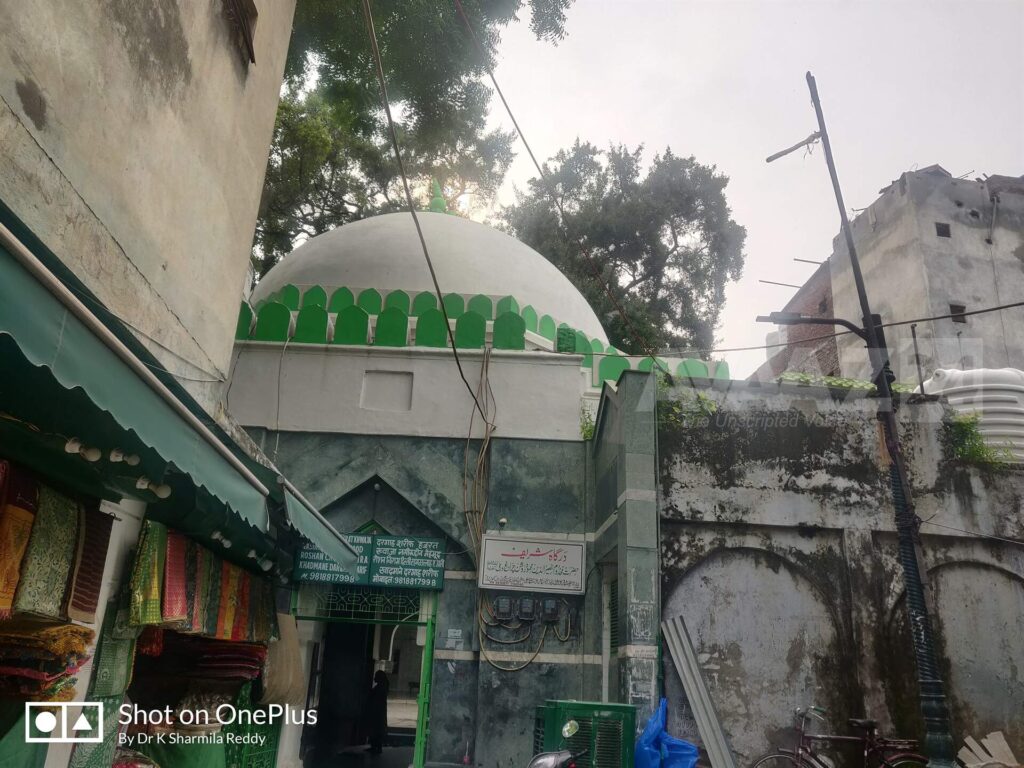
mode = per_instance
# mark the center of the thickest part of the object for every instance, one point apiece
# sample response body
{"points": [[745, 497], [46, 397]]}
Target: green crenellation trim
{"points": [[470, 331], [272, 322], [245, 321], [397, 300], [565, 339], [423, 302], [648, 363], [583, 348], [547, 328], [693, 369], [315, 296], [370, 301], [431, 330], [506, 304], [311, 325], [392, 328], [509, 331], [351, 326], [289, 296], [340, 299], [529, 315], [482, 306], [611, 367], [454, 305]]}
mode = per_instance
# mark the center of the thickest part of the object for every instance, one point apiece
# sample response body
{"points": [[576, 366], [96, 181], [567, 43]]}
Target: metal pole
{"points": [[938, 739], [917, 357]]}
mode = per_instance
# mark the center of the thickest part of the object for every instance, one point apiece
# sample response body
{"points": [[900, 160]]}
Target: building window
{"points": [[942, 229], [957, 311]]}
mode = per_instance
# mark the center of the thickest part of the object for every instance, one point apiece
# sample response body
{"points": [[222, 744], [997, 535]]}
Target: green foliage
{"points": [[331, 161], [969, 445], [662, 237], [687, 408], [587, 424], [838, 382]]}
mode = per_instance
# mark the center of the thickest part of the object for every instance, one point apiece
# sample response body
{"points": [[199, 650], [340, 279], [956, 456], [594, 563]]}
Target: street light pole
{"points": [[938, 738]]}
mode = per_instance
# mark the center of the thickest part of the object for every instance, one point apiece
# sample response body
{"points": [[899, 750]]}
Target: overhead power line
{"points": [[386, 103], [577, 241]]}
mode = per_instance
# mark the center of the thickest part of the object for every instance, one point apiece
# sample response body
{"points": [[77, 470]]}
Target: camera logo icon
{"points": [[75, 722]]}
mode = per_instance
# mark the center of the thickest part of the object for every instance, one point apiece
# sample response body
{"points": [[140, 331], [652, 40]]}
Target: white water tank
{"points": [[995, 394]]}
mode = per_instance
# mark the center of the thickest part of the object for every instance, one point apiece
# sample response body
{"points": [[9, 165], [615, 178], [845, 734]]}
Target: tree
{"points": [[662, 239], [331, 161]]}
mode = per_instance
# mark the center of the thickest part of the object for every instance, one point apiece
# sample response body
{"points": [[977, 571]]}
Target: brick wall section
{"points": [[802, 353]]}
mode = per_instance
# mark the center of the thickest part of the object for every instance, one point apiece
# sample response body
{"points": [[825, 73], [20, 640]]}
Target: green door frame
{"points": [[426, 667], [426, 679]]}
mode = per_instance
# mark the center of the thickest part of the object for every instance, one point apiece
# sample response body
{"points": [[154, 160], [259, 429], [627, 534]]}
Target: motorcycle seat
{"points": [[867, 725]]}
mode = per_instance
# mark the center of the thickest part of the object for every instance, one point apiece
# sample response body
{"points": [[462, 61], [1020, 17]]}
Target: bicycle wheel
{"points": [[777, 760]]}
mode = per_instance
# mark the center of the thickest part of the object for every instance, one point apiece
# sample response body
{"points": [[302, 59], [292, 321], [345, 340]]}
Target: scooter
{"points": [[563, 758]]}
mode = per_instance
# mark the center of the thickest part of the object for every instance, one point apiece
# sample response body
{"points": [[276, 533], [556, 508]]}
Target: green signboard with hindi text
{"points": [[406, 562]]}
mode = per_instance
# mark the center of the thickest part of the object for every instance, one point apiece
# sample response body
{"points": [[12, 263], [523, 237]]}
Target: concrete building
{"points": [[133, 143], [933, 246], [758, 513], [804, 351]]}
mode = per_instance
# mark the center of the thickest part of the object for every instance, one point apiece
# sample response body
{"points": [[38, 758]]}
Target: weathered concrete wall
{"points": [[403, 391], [779, 551], [539, 486], [910, 272], [133, 142]]}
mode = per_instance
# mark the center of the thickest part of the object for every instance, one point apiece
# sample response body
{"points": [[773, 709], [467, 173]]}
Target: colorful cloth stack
{"points": [[19, 501], [228, 661], [180, 585], [38, 662]]}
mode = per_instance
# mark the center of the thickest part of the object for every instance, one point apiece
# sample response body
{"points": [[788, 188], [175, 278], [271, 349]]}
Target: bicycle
{"points": [[879, 751]]}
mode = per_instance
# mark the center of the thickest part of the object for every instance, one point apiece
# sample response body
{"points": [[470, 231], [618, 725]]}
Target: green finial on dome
{"points": [[437, 203]]}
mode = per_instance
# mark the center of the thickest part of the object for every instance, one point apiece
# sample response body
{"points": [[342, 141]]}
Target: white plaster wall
{"points": [[310, 633], [133, 142], [317, 388]]}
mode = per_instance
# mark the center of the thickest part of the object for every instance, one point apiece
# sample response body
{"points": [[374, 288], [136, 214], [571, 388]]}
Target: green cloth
{"points": [[185, 755], [148, 574], [324, 536], [115, 651], [14, 752], [100, 755], [49, 558], [47, 334]]}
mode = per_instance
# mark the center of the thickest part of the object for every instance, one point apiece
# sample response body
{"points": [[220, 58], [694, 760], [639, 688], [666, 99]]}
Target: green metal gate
{"points": [[386, 607]]}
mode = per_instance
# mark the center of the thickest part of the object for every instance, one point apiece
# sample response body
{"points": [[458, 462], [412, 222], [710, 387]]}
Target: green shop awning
{"points": [[49, 335], [318, 532]]}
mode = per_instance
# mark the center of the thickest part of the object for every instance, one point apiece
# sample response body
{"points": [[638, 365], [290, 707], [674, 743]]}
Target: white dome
{"points": [[384, 252]]}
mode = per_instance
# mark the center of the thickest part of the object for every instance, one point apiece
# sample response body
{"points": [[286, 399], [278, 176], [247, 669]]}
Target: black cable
{"points": [[408, 198], [551, 192]]}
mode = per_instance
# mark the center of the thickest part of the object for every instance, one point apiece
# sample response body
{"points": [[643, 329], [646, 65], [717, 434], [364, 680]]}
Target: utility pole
{"points": [[938, 738]]}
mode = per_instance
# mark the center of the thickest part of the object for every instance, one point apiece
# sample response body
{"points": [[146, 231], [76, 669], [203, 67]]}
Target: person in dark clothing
{"points": [[377, 712]]}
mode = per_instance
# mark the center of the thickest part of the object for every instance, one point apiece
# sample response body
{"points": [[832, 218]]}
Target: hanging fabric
{"points": [[49, 557], [87, 578], [19, 501], [147, 574], [175, 603]]}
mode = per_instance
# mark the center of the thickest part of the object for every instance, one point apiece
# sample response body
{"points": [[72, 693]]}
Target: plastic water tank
{"points": [[995, 394]]}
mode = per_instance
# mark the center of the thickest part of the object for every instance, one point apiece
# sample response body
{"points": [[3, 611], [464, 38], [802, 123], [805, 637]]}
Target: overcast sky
{"points": [[903, 84]]}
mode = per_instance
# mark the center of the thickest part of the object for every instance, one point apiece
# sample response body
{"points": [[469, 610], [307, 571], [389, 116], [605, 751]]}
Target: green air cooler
{"points": [[607, 731]]}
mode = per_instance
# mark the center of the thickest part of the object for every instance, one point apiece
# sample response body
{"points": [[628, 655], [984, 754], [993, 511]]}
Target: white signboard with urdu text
{"points": [[532, 565]]}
